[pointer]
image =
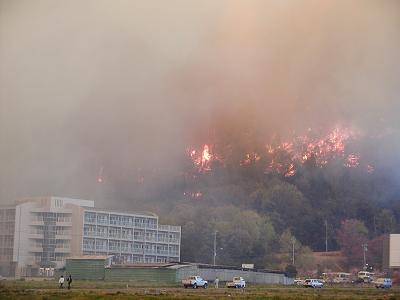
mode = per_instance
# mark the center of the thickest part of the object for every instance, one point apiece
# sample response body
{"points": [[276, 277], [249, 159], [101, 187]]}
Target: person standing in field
{"points": [[61, 282], [69, 280], [216, 282]]}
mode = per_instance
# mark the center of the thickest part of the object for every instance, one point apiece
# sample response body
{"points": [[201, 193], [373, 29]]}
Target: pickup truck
{"points": [[195, 282], [237, 282]]}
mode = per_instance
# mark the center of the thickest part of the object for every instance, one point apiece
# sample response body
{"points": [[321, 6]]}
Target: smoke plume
{"points": [[117, 90]]}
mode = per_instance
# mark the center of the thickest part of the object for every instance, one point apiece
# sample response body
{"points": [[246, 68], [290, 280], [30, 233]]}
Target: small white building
{"points": [[391, 252]]}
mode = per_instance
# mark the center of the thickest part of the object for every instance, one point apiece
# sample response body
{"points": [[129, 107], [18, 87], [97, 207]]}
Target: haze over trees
{"points": [[257, 215]]}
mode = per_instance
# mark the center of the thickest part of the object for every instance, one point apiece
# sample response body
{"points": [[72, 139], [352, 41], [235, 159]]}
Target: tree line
{"points": [[257, 216]]}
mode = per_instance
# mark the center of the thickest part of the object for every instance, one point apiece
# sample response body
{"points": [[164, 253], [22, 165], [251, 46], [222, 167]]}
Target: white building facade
{"points": [[42, 232], [130, 237]]}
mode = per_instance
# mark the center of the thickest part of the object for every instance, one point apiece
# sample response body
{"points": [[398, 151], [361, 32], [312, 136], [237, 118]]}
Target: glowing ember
{"points": [[250, 157], [270, 150], [100, 176], [352, 161], [370, 169], [194, 195], [291, 171], [205, 157], [202, 159]]}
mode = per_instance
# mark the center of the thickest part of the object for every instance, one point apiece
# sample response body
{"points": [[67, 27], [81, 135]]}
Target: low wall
{"points": [[145, 275], [227, 274], [85, 269], [93, 269]]}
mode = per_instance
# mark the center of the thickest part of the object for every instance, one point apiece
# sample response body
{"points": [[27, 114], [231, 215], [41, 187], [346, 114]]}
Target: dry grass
{"points": [[42, 290]]}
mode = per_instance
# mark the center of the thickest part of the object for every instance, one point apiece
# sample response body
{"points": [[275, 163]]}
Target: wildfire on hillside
{"points": [[282, 157], [202, 159]]}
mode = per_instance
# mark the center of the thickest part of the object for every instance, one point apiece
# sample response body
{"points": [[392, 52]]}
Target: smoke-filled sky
{"points": [[123, 86]]}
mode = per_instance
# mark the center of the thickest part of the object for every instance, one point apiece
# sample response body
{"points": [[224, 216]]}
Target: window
{"points": [[61, 217], [90, 217], [101, 245], [161, 259], [138, 248], [114, 232], [58, 203], [150, 236], [150, 259], [126, 246], [115, 220], [152, 223], [139, 222], [137, 259], [126, 221], [127, 233], [102, 231], [89, 230], [138, 235], [113, 246], [102, 219]]}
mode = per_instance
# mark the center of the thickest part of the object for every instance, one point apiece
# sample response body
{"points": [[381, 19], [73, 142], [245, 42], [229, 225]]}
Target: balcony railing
{"points": [[62, 250], [169, 228], [90, 220], [89, 248], [99, 248], [126, 250]]}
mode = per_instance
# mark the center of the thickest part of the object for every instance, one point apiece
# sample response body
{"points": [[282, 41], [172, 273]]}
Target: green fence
{"points": [[159, 276], [85, 269]]}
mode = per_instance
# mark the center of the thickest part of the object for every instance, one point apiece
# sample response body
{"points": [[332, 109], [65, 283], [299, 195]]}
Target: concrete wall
{"points": [[394, 251], [21, 253], [7, 269], [227, 275], [93, 269], [76, 230]]}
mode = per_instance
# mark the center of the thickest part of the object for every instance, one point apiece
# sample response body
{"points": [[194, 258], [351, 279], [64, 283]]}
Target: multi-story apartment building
{"points": [[43, 232], [130, 237]]}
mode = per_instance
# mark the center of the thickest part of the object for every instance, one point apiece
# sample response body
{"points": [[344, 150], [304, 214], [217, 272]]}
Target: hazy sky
{"points": [[126, 85]]}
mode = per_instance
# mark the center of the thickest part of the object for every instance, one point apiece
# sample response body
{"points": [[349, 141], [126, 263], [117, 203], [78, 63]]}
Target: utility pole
{"points": [[326, 235], [365, 249], [215, 246], [293, 242]]}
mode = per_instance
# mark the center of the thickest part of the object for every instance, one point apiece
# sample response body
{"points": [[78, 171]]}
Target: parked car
{"points": [[383, 283], [313, 283], [365, 276], [237, 282], [194, 282]]}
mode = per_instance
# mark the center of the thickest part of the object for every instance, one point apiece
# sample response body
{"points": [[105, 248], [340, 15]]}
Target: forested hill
{"points": [[257, 212]]}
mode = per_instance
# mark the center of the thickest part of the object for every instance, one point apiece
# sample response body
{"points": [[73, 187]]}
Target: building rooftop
{"points": [[49, 199], [89, 257], [171, 265], [123, 212]]}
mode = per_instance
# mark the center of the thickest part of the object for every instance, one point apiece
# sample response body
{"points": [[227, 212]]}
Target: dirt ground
{"points": [[101, 290]]}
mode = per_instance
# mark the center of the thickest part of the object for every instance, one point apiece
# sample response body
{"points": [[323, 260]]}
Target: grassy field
{"points": [[48, 290]]}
